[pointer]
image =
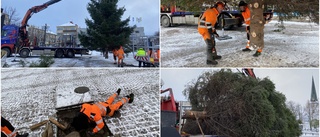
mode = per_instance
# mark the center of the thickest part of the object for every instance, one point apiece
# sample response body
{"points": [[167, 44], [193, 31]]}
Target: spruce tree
{"points": [[239, 106], [105, 29]]}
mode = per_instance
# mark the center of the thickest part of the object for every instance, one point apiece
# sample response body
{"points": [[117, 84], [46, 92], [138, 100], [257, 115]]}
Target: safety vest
{"points": [[120, 53], [208, 19], [246, 16], [141, 52], [158, 54]]}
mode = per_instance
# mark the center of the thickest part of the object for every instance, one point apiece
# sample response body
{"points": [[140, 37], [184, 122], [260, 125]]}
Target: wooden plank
{"points": [[54, 121], [191, 114], [35, 126], [50, 130]]}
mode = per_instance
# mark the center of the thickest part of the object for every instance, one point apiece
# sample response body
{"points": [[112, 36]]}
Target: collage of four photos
{"points": [[151, 68]]}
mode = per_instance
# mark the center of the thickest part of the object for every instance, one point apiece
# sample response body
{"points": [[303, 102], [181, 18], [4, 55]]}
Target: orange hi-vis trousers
{"points": [[114, 107]]}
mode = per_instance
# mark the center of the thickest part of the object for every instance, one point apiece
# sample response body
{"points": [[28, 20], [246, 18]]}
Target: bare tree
{"points": [[299, 110], [312, 112], [13, 15], [296, 109]]}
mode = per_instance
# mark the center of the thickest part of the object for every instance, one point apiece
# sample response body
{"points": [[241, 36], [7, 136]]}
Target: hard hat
{"points": [[219, 3], [242, 3]]}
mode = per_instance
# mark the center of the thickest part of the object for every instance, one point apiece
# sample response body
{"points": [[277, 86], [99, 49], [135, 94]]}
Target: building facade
{"points": [[38, 37], [137, 35], [67, 35]]}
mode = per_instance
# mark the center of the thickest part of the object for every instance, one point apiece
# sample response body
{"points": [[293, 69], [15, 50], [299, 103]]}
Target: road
{"points": [[296, 46]]}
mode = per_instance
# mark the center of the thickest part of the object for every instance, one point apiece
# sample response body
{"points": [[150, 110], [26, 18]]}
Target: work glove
{"points": [[118, 91], [90, 133]]}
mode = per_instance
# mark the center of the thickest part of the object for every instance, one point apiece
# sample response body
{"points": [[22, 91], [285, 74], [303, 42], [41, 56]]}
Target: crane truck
{"points": [[14, 39]]}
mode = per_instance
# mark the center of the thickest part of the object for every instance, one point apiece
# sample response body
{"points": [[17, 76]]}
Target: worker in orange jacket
{"points": [[245, 11], [91, 115], [120, 54], [207, 30], [115, 54], [158, 54], [7, 130]]}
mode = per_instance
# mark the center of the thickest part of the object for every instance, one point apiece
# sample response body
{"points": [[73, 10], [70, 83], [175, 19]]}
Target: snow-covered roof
{"points": [[68, 24], [50, 32]]}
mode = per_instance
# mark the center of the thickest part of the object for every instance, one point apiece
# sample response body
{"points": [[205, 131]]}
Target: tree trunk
{"points": [[257, 24]]}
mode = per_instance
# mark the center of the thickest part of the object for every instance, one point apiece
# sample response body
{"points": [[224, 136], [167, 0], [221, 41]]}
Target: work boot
{"points": [[257, 54], [217, 57], [118, 91], [131, 97], [246, 49], [212, 62], [23, 135]]}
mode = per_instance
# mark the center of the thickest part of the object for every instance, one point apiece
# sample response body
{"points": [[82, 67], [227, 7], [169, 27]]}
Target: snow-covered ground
{"points": [[96, 59], [29, 96], [296, 46]]}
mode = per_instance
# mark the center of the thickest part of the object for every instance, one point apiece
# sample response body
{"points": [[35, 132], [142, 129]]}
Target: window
{"points": [[4, 33]]}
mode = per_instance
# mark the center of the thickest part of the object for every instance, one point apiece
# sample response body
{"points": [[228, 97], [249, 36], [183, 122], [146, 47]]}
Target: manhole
{"points": [[81, 90]]}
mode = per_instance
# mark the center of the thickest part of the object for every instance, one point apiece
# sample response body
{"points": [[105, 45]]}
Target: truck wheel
{"points": [[70, 54], [24, 53], [59, 53], [8, 51], [165, 21]]}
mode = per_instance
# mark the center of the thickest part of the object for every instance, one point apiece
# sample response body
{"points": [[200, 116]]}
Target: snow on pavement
{"points": [[29, 96], [296, 46], [96, 59]]}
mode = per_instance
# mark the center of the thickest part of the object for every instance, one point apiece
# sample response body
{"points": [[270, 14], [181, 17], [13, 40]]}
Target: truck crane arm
{"points": [[249, 72], [172, 101], [27, 16]]}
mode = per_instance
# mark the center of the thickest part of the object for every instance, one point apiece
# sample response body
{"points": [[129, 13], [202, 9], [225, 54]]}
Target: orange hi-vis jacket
{"points": [[7, 129], [246, 16], [207, 21], [115, 52], [158, 54], [96, 111], [120, 53]]}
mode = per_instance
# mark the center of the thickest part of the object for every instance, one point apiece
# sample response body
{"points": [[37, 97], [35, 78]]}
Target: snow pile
{"points": [[31, 95], [296, 46], [96, 59]]}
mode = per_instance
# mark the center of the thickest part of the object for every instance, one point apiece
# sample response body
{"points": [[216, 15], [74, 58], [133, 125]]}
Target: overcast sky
{"points": [[295, 84], [76, 11]]}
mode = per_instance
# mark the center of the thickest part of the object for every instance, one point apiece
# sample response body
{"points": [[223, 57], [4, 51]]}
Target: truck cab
{"points": [[9, 38]]}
